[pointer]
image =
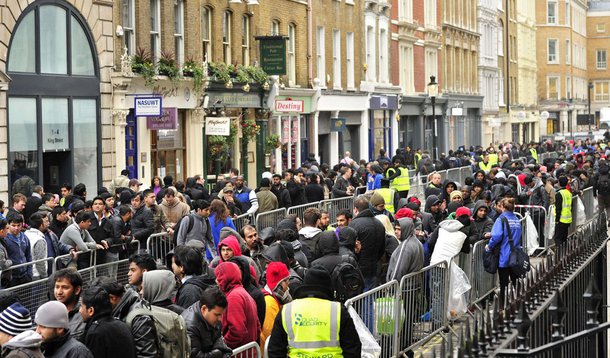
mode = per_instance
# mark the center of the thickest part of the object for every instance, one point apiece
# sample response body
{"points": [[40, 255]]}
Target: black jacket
{"points": [[206, 341], [190, 292], [142, 327], [314, 192], [58, 227], [65, 346], [115, 227], [31, 206], [106, 336], [282, 195], [297, 193], [479, 227], [371, 235], [329, 248], [142, 225]]}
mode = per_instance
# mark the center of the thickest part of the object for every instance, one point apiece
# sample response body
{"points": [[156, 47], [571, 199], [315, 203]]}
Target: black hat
{"points": [[315, 284]]}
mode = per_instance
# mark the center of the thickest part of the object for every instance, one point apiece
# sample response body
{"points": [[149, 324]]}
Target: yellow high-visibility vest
{"points": [[401, 183], [388, 198], [534, 153], [566, 207], [485, 167], [312, 326], [493, 158]]}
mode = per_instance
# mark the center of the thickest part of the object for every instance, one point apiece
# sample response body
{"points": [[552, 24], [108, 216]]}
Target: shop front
{"points": [[382, 125]]}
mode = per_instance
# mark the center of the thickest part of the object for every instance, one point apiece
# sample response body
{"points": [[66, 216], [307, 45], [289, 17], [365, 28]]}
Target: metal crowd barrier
{"points": [[589, 201], [33, 294], [300, 209], [270, 218], [482, 282], [250, 350], [334, 206], [43, 263], [539, 218], [159, 245], [243, 220]]}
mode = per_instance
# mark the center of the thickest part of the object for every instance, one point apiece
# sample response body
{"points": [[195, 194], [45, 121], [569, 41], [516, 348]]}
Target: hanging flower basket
{"points": [[249, 129]]}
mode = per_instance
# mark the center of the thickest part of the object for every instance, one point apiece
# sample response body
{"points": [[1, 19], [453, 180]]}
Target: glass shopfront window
{"points": [[169, 151]]}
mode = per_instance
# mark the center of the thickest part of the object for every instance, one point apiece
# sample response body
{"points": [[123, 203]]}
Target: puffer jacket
{"points": [[371, 235], [23, 345], [159, 286], [409, 256], [142, 327], [499, 236], [329, 248], [240, 324], [65, 346], [479, 227], [204, 338], [449, 234]]}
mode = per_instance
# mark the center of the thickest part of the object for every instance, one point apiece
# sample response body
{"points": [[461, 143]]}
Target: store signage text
{"points": [[239, 100], [165, 91], [273, 54], [289, 106], [147, 106], [167, 120], [218, 126]]}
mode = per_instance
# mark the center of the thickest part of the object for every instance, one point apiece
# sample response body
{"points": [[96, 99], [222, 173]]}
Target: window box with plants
{"points": [[142, 64], [195, 71], [168, 66], [229, 74]]}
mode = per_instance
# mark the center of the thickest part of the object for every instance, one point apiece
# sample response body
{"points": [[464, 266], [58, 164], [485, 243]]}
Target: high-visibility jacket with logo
{"points": [[312, 326], [401, 183], [534, 153], [388, 198], [485, 167], [566, 207]]}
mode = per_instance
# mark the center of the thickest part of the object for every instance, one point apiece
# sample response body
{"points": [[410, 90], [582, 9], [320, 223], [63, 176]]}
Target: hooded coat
{"points": [[159, 286], [309, 236], [276, 252], [175, 211], [538, 196], [431, 220], [443, 242], [479, 227], [329, 248], [191, 290], [371, 235], [409, 256], [240, 324], [23, 345], [142, 327], [347, 241], [251, 287], [499, 236]]}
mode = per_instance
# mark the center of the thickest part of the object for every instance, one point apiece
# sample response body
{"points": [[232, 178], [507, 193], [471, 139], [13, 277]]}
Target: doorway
{"points": [[57, 170]]}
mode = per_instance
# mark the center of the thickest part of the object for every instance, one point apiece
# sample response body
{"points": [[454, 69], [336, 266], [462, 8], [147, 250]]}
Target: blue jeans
{"points": [[370, 283]]}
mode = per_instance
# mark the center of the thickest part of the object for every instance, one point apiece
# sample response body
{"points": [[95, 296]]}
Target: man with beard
{"points": [[67, 288], [142, 222], [280, 191], [52, 324]]}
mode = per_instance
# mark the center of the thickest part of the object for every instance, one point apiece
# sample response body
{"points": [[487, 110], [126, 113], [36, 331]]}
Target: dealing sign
{"points": [[218, 126], [147, 106]]}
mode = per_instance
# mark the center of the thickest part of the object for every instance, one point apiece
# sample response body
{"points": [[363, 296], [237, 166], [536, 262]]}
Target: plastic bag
{"points": [[370, 347], [459, 285], [581, 216], [549, 230], [384, 315], [532, 235]]}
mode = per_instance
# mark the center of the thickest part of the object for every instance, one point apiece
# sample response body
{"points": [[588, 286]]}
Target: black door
{"points": [[57, 170]]}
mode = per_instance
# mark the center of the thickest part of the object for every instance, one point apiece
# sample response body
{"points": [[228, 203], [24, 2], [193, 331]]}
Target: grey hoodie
{"points": [[28, 340], [409, 255]]}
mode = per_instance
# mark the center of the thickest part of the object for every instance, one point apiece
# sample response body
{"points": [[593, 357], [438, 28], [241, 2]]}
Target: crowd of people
{"points": [[222, 288]]}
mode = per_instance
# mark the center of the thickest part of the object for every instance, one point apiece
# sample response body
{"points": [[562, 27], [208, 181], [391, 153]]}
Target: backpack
{"points": [[603, 184], [177, 226], [170, 329], [347, 281]]}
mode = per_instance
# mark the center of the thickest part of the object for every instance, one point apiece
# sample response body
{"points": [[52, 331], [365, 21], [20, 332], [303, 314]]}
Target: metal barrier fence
{"points": [[300, 209], [538, 214], [159, 245], [243, 220], [270, 218], [482, 282], [334, 206], [41, 264], [250, 350]]}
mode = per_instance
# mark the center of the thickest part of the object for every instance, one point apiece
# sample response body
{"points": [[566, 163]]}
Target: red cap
{"points": [[276, 272], [462, 210]]}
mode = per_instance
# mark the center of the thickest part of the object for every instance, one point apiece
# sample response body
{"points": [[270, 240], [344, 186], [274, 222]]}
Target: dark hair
{"points": [[138, 194], [98, 299], [234, 171], [13, 217], [168, 180], [109, 284], [70, 274], [88, 204], [311, 216], [3, 223], [58, 210], [47, 197], [83, 216], [80, 189], [124, 209], [98, 198], [7, 298], [361, 203], [146, 192], [286, 235], [66, 185], [36, 219], [346, 213], [200, 204], [179, 185], [189, 259], [265, 183], [169, 192], [125, 172], [213, 297], [144, 261]]}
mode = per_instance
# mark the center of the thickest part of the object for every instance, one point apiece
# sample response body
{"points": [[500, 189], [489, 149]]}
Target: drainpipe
{"points": [[310, 42]]}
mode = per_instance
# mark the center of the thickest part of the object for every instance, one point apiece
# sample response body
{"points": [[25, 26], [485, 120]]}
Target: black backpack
{"points": [[177, 226], [347, 281], [603, 184]]}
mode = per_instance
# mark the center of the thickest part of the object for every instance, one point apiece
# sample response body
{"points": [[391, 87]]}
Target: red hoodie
{"points": [[240, 323], [230, 241]]}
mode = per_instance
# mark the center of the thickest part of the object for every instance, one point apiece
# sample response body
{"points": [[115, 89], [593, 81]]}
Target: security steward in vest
{"points": [[312, 325], [563, 212], [485, 164], [390, 196], [534, 152], [398, 175]]}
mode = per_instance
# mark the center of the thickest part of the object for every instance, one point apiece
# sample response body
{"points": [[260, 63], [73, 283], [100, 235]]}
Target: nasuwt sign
{"points": [[289, 106], [218, 126], [147, 106], [273, 54], [167, 120]]}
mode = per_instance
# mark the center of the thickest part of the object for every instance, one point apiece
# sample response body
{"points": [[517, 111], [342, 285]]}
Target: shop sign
{"points": [[218, 126], [457, 111], [147, 106], [338, 124], [273, 54], [238, 100], [289, 106], [384, 102], [167, 120]]}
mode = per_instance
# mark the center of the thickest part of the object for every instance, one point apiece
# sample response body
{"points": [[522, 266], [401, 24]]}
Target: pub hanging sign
{"points": [[273, 54]]}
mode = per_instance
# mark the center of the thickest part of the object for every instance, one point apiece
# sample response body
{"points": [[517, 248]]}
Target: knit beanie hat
{"points": [[462, 211], [317, 276], [15, 319], [52, 314], [455, 194], [404, 213], [276, 273], [376, 199]]}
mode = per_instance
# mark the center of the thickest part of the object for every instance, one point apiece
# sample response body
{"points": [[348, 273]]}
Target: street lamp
{"points": [[590, 87], [433, 93]]}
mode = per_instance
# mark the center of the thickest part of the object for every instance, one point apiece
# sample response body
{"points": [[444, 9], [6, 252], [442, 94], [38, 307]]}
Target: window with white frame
{"points": [[431, 64], [128, 26], [568, 87], [430, 13], [553, 87], [155, 30], [568, 52], [406, 74], [245, 40], [501, 101], [179, 31], [321, 59], [275, 28], [226, 37], [292, 59], [336, 58], [371, 70], [600, 28], [552, 51], [349, 59], [601, 91], [551, 12], [206, 31], [405, 10], [567, 12], [601, 59], [500, 39], [383, 59]]}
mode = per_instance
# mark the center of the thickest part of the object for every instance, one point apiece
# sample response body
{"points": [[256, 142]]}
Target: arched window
{"points": [[53, 100]]}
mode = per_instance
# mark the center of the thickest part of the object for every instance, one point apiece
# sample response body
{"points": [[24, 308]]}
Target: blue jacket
{"points": [[375, 184], [499, 236], [19, 252], [215, 228]]}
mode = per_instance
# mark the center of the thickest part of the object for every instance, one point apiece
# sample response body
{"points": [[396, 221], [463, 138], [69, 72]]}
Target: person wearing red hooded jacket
{"points": [[240, 324]]}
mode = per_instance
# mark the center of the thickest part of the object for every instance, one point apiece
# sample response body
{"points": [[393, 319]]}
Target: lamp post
{"points": [[433, 93], [590, 87]]}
